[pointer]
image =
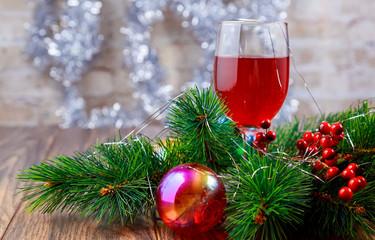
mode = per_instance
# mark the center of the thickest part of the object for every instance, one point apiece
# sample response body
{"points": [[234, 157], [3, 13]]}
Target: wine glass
{"points": [[251, 70]]}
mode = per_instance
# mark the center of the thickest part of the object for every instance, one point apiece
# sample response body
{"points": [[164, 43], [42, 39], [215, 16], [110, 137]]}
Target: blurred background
{"points": [[332, 42]]}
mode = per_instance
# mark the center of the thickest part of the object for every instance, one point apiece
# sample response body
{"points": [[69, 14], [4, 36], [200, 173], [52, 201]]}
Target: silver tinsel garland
{"points": [[53, 47], [63, 40], [199, 17]]}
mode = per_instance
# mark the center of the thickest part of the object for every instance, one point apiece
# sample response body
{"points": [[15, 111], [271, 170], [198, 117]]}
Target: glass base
{"points": [[248, 133]]}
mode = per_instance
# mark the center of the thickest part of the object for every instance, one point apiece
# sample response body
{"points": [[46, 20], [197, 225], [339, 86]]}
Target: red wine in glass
{"points": [[251, 86], [251, 70]]}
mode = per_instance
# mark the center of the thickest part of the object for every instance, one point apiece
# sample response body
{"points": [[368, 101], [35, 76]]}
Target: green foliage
{"points": [[198, 121], [116, 182], [110, 181], [328, 215], [268, 198], [358, 123]]}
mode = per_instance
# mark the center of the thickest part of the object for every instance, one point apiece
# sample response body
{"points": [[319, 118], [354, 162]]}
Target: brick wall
{"points": [[333, 44]]}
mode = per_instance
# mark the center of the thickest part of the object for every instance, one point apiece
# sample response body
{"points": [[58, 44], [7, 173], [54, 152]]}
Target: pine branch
{"points": [[116, 182], [329, 216], [358, 122], [205, 135], [269, 196], [111, 181]]}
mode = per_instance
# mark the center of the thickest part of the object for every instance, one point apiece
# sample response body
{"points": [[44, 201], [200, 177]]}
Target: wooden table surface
{"points": [[23, 147]]}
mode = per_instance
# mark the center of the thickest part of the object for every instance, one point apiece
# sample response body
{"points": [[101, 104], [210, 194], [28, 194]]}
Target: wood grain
{"points": [[19, 148], [165, 233], [65, 226]]}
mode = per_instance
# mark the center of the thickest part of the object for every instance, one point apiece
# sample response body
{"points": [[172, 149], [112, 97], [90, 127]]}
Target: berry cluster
{"points": [[327, 137], [351, 173], [262, 139], [355, 184]]}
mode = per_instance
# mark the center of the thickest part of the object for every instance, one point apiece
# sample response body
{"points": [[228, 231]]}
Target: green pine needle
{"points": [[328, 215], [268, 196], [198, 121], [111, 181]]}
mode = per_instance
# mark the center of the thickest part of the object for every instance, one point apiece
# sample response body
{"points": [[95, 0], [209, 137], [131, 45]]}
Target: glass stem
{"points": [[249, 133]]}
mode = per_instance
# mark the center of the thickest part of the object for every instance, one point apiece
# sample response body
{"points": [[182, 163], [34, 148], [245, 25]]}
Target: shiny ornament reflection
{"points": [[191, 198]]}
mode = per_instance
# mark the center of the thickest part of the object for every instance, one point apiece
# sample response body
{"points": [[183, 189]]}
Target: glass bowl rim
{"points": [[253, 21]]}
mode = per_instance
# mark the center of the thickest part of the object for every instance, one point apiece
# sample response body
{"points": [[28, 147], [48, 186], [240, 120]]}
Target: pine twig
{"points": [[199, 122], [271, 198], [111, 181]]}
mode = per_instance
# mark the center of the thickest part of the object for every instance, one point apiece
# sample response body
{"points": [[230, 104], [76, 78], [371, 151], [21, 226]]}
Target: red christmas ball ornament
{"points": [[363, 182], [355, 168], [332, 172], [270, 135], [345, 194], [308, 137], [301, 145], [325, 128], [337, 128], [191, 198], [329, 153], [265, 124], [355, 184], [347, 174], [326, 142]]}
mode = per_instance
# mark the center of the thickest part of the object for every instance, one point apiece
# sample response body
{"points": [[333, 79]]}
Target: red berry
{"points": [[317, 137], [331, 162], [337, 128], [347, 174], [339, 137], [312, 150], [355, 184], [326, 142], [334, 143], [258, 144], [308, 137], [325, 128], [329, 153], [260, 137], [332, 172], [301, 145], [261, 151], [354, 167], [345, 194], [265, 124], [317, 166], [363, 182], [270, 135]]}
